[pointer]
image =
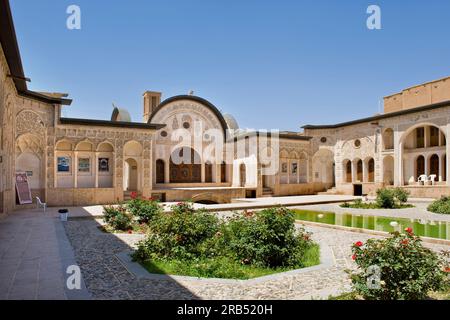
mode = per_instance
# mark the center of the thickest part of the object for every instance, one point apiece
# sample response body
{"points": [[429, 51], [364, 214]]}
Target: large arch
{"points": [[388, 170], [422, 149], [132, 155], [323, 167], [388, 139], [196, 99], [347, 170]]}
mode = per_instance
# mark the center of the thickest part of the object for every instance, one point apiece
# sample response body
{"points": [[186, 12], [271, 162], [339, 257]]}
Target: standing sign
{"points": [[23, 188]]}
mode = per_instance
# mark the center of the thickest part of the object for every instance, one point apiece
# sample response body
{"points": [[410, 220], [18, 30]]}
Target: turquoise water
{"points": [[423, 228]]}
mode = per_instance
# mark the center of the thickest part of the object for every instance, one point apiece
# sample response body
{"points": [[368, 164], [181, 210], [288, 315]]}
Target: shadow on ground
{"points": [[105, 275]]}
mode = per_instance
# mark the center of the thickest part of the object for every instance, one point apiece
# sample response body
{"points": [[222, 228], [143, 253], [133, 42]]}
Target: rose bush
{"points": [[408, 270], [267, 238]]}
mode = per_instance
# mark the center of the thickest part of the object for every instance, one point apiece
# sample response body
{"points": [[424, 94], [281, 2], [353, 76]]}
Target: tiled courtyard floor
{"points": [[34, 254]]}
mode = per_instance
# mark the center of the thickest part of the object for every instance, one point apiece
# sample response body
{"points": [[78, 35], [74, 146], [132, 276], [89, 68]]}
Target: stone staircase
{"points": [[267, 192], [331, 191]]}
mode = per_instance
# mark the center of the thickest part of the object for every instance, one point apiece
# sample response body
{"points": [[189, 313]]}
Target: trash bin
{"points": [[63, 214]]}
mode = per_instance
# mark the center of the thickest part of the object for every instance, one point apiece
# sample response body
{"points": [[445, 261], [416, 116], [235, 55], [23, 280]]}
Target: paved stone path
{"points": [[107, 278], [34, 254]]}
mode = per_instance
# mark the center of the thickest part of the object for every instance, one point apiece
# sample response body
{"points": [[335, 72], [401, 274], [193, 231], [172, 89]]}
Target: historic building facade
{"points": [[72, 162]]}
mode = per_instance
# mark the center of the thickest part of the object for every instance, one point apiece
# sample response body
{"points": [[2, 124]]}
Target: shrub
{"points": [[144, 210], [408, 271], [385, 198], [401, 195], [267, 238], [184, 233], [440, 206], [117, 217], [391, 198]]}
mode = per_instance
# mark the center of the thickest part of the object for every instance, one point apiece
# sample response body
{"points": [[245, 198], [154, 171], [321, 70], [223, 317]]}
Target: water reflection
{"points": [[422, 227]]}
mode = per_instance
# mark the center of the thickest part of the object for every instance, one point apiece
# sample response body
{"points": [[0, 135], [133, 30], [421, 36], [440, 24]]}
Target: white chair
{"points": [[41, 204], [423, 178], [432, 178]]}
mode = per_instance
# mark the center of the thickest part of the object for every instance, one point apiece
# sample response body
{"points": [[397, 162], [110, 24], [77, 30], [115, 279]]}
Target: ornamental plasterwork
{"points": [[29, 143], [173, 115], [29, 122]]}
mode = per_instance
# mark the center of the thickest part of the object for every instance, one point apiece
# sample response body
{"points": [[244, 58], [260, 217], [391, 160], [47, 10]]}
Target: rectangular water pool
{"points": [[423, 227]]}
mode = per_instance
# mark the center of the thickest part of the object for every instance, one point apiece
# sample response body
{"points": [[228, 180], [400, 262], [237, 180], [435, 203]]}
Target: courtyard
{"points": [[37, 248]]}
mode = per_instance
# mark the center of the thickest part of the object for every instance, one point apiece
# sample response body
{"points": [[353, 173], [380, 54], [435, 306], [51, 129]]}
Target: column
{"points": [[440, 177], [167, 171], [218, 173], [427, 169], [203, 172], [75, 170], [426, 133], [95, 169], [365, 171], [398, 159], [447, 152], [354, 170]]}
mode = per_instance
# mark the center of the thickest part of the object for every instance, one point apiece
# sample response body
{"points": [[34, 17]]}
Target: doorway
{"points": [[357, 190], [131, 175]]}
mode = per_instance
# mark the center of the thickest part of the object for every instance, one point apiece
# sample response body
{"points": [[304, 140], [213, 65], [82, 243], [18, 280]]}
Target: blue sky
{"points": [[272, 64]]}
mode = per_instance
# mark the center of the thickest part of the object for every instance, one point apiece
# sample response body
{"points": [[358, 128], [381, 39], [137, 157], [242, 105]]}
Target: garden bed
{"points": [[224, 267]]}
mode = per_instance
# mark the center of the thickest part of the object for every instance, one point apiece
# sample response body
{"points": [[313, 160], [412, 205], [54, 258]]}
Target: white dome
{"points": [[231, 121]]}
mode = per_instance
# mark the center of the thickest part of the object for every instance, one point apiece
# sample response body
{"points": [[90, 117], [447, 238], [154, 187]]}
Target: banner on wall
{"points": [[23, 188]]}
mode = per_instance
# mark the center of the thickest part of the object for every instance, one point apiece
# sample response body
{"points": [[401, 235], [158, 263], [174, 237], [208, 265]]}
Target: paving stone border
{"points": [[137, 270]]}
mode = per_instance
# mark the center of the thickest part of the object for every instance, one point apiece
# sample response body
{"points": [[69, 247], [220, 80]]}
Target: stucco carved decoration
{"points": [[29, 122], [29, 143]]}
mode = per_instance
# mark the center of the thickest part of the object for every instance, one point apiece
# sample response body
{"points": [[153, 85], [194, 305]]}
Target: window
{"points": [[63, 164], [420, 137], [371, 169], [357, 143], [160, 171], [420, 166], [103, 164], [208, 172], [434, 136], [348, 171], [84, 165], [284, 167], [294, 167]]}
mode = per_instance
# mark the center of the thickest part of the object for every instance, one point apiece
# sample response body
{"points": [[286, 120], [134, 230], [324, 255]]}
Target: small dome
{"points": [[231, 121], [120, 114]]}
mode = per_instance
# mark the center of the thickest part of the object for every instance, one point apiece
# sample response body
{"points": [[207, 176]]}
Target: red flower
{"points": [[405, 242], [409, 230], [130, 231], [447, 270], [359, 244], [133, 195], [354, 257]]}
